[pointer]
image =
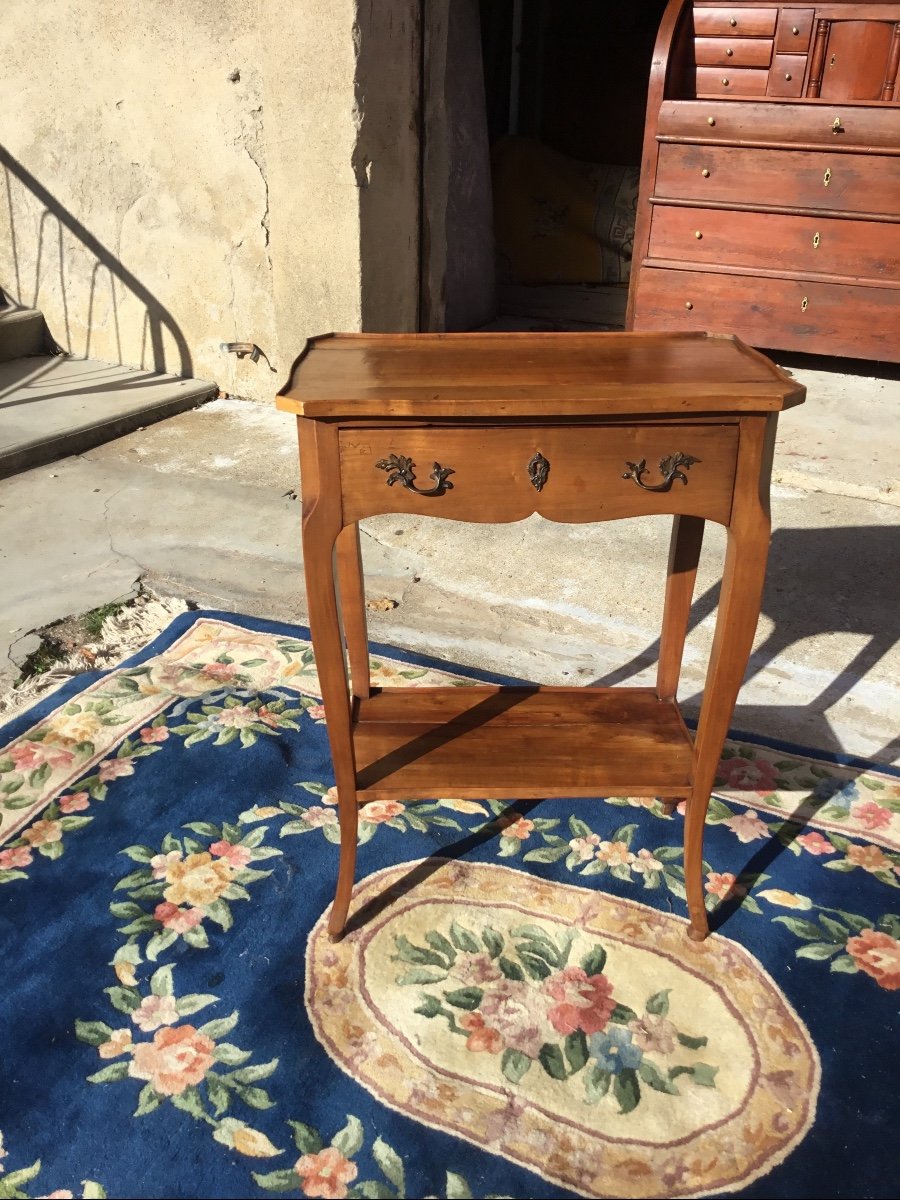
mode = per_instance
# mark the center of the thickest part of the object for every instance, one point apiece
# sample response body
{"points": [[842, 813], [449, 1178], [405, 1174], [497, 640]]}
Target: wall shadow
{"points": [[158, 321]]}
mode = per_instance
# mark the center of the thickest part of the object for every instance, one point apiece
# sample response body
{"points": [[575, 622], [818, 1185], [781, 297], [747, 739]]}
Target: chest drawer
{"points": [[794, 30], [859, 126], [585, 472], [790, 314], [792, 178], [743, 22], [813, 245], [723, 81], [733, 52]]}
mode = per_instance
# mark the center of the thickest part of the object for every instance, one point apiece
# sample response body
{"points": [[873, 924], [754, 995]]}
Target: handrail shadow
{"points": [[158, 318]]}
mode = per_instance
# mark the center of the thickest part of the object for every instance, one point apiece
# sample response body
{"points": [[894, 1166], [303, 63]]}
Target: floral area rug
{"points": [[517, 1012]]}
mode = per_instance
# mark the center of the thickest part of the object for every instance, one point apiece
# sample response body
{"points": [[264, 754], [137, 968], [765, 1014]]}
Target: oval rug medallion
{"points": [[577, 1034]]}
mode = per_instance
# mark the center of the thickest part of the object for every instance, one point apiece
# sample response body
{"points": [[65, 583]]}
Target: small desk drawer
{"points": [[794, 30], [741, 22], [786, 76], [492, 474], [733, 52], [723, 81]]}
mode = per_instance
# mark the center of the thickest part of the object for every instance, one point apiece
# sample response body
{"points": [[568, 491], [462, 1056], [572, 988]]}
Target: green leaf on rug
{"points": [[390, 1163], [306, 1139], [349, 1140]]}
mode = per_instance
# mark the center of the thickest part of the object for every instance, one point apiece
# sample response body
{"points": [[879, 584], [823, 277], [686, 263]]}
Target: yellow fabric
{"points": [[558, 220]]}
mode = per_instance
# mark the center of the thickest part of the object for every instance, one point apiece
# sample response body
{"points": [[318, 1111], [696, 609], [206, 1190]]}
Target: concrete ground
{"points": [[203, 505]]}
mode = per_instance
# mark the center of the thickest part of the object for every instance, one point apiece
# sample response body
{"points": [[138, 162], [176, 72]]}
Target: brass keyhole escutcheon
{"points": [[804, 304], [836, 126], [826, 178], [833, 57], [816, 240]]}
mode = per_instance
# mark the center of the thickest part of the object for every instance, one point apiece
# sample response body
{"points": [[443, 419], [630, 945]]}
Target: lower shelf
{"points": [[519, 743]]}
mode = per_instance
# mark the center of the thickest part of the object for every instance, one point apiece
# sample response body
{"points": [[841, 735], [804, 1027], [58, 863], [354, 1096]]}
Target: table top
{"points": [[350, 376]]}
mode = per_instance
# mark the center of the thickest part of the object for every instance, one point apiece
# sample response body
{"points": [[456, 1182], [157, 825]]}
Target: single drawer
{"points": [[792, 178], [786, 75], [585, 472], [781, 314], [733, 52], [794, 30], [742, 22], [722, 81], [839, 126], [765, 241]]}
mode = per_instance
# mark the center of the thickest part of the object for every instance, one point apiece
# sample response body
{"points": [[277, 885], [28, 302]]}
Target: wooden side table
{"points": [[495, 427]]}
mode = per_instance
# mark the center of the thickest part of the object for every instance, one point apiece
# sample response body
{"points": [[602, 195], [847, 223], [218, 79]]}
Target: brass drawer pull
{"points": [[668, 468], [401, 469]]}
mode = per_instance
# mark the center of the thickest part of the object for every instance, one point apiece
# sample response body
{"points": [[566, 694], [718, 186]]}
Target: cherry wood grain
{"points": [[723, 81], [854, 249], [509, 375], [519, 743], [786, 123], [839, 318], [817, 180], [794, 30], [732, 52], [737, 19], [490, 480], [482, 741], [856, 57]]}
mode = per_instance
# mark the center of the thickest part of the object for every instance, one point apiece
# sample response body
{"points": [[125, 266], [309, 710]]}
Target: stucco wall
{"points": [[182, 173]]}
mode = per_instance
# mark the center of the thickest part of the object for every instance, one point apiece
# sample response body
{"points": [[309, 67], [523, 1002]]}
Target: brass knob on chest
{"points": [[687, 304], [794, 30], [788, 76], [729, 52], [710, 120], [697, 234], [705, 173], [725, 82], [732, 22]]}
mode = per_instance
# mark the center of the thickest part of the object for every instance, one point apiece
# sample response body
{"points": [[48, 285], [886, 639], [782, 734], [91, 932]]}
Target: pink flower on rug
{"points": [[645, 862], [154, 1011], [239, 716], [160, 863], [331, 796], [15, 856], [520, 829], [653, 1033], [747, 826], [878, 954], [584, 848], [176, 1059], [316, 712], [870, 814], [59, 1194], [477, 968], [317, 816], [42, 832], [615, 854], [115, 768], [481, 1036], [814, 843], [219, 671], [325, 1174], [29, 755], [585, 1001], [119, 1043], [377, 811], [179, 920], [748, 775], [518, 1013], [77, 802], [724, 885], [870, 858], [153, 733], [267, 718], [237, 856]]}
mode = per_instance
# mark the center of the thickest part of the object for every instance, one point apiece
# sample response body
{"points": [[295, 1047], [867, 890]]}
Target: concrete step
{"points": [[51, 407], [22, 333]]}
